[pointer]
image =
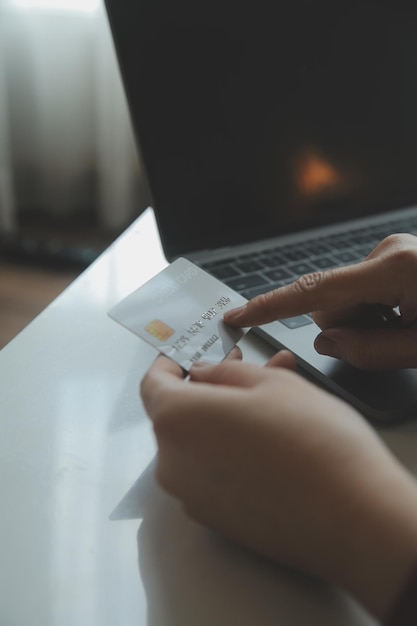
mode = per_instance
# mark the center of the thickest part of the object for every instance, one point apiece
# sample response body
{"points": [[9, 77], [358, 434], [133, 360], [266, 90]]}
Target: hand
{"points": [[266, 458], [355, 306]]}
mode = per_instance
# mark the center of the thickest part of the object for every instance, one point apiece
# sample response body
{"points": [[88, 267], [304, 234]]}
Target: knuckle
{"points": [[406, 259], [393, 240], [163, 477], [149, 398], [158, 428], [163, 424], [402, 247], [143, 387], [193, 511], [402, 259], [264, 301], [308, 282], [398, 240], [316, 280]]}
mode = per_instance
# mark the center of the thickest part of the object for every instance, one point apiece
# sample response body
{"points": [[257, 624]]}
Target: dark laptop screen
{"points": [[257, 118]]}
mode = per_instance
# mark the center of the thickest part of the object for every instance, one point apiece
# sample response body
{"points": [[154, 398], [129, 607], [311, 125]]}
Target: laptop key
{"points": [[257, 291], [365, 250], [365, 238], [272, 259], [279, 274], [252, 293], [323, 262], [297, 321], [340, 243], [246, 267], [301, 268], [295, 254], [269, 260], [347, 256], [242, 283], [316, 249], [222, 272]]}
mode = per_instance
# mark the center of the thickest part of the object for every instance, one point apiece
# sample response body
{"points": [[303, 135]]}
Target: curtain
{"points": [[66, 141], [7, 205]]}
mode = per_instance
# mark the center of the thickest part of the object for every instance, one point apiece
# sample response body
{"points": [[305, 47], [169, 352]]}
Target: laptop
{"points": [[278, 138]]}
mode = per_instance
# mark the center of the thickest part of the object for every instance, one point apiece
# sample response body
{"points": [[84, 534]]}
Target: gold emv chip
{"points": [[160, 330]]}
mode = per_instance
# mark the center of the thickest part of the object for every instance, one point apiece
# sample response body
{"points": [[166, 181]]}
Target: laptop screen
{"points": [[256, 119]]}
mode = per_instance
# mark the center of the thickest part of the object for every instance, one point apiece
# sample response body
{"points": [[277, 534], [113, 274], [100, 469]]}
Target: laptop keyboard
{"points": [[258, 272]]}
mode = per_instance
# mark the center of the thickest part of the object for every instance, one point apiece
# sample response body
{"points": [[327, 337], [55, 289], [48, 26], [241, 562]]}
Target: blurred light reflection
{"points": [[316, 175], [80, 453]]}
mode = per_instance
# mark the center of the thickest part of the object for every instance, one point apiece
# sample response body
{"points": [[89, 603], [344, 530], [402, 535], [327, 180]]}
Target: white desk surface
{"points": [[76, 447]]}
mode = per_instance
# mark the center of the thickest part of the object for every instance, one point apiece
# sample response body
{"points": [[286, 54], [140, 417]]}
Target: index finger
{"points": [[367, 282]]}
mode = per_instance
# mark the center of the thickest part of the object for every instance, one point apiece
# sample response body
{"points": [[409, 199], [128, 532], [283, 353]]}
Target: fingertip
{"points": [[284, 359], [235, 354], [327, 345], [164, 366], [233, 316], [200, 367]]}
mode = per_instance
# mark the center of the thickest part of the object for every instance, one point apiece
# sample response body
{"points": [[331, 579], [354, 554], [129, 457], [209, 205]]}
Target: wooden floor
{"points": [[25, 291], [30, 278]]}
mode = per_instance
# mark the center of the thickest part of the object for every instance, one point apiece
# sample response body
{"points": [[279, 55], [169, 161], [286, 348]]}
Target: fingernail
{"points": [[234, 313], [325, 345], [201, 365], [235, 353]]}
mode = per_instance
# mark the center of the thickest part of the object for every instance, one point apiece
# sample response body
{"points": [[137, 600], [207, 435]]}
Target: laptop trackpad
{"points": [[381, 395]]}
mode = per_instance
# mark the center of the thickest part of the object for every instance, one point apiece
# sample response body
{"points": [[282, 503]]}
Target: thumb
{"points": [[370, 348], [230, 372]]}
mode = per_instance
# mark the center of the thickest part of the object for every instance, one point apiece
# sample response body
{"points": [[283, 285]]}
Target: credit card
{"points": [[180, 312]]}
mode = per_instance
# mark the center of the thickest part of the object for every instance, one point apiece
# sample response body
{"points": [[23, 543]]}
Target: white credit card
{"points": [[180, 313]]}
